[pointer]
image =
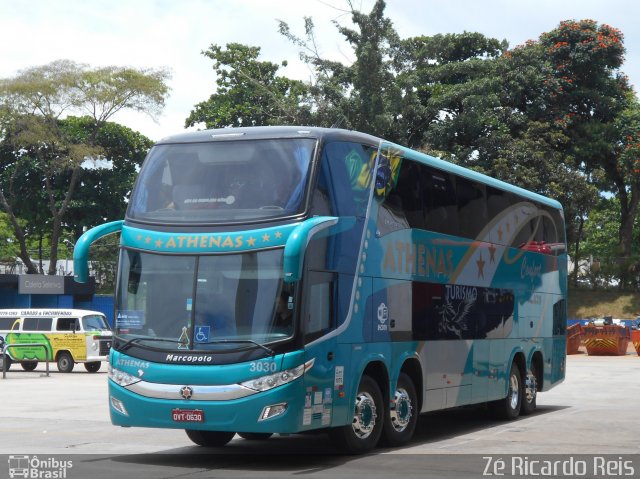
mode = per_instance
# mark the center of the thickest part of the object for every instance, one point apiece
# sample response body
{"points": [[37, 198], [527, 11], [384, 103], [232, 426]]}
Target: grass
{"points": [[584, 303]]}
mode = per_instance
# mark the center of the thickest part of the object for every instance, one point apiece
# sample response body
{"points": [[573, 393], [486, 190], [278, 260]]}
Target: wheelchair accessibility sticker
{"points": [[202, 334]]}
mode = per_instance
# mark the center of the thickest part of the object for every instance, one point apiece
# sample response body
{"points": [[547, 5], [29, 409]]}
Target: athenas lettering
{"points": [[189, 358]]}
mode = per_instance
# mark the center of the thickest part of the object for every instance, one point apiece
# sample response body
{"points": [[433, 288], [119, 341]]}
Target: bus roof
{"points": [[337, 134]]}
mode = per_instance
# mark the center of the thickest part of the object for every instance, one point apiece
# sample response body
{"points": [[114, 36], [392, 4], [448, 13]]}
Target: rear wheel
{"points": [[530, 392], [93, 367], [402, 417], [255, 436], [65, 362], [509, 407], [365, 429], [209, 438], [29, 365]]}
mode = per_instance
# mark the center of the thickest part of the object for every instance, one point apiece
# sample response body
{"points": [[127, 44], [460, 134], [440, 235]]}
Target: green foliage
{"points": [[42, 155], [249, 92]]}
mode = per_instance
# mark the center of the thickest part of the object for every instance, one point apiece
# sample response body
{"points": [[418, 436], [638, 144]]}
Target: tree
{"points": [[249, 92], [33, 140], [365, 95], [106, 182]]}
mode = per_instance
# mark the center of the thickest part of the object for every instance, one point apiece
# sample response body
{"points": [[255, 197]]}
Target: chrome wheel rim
{"points": [[531, 389], [401, 410], [364, 420], [514, 391]]}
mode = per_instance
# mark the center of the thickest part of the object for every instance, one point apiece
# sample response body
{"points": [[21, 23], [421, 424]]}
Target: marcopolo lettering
{"points": [[189, 358]]}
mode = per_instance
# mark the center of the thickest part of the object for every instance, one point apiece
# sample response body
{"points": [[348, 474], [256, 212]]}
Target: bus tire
{"points": [[4, 358], [402, 417], [93, 366], [29, 365], [509, 408], [209, 438], [255, 436], [530, 392], [366, 426], [65, 362]]}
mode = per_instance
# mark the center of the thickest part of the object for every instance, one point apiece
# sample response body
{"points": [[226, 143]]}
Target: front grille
{"points": [[105, 346]]}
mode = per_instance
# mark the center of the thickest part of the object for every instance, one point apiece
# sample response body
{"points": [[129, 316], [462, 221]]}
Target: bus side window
{"points": [[472, 207], [347, 171], [37, 324], [440, 202], [67, 324], [319, 310], [7, 324]]}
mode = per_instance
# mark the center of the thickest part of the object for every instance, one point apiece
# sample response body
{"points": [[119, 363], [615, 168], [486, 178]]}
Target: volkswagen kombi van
{"points": [[70, 336]]}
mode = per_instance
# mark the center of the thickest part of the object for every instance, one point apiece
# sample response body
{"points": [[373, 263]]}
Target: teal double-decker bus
{"points": [[290, 279]]}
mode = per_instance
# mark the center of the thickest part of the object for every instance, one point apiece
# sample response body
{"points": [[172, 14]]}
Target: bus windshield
{"points": [[203, 302], [223, 181]]}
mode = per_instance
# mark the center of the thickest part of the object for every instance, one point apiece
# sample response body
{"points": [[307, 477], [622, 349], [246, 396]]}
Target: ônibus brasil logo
{"points": [[36, 468]]}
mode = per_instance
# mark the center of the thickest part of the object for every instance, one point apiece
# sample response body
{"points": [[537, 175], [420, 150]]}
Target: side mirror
{"points": [[297, 242]]}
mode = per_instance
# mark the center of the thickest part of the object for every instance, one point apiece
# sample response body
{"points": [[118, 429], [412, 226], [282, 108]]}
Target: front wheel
{"points": [[4, 359], [209, 438], [402, 418], [29, 365], [65, 362], [93, 366], [509, 407], [365, 429]]}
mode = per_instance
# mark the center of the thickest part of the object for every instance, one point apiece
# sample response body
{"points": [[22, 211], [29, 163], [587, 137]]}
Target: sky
{"points": [[173, 34]]}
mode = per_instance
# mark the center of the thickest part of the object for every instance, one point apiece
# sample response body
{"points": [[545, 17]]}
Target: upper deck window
{"points": [[223, 182]]}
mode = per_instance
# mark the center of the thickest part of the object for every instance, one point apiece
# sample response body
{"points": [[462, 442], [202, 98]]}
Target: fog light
{"points": [[118, 406], [272, 411]]}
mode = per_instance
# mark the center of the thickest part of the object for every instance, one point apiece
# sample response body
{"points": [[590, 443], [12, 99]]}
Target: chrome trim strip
{"points": [[223, 392]]}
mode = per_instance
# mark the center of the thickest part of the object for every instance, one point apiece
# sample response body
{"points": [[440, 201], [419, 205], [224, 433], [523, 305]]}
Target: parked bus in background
{"points": [[288, 279]]}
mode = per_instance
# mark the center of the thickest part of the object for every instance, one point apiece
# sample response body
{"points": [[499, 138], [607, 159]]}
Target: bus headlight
{"points": [[121, 378], [264, 383]]}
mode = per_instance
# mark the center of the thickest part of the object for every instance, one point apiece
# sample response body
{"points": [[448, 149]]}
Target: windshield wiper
{"points": [[270, 351], [130, 342]]}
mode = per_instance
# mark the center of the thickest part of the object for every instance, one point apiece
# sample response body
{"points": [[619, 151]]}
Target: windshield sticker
{"points": [[130, 320], [183, 339], [202, 334]]}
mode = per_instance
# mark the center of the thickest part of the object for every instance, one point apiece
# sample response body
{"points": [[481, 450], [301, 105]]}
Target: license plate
{"points": [[188, 415]]}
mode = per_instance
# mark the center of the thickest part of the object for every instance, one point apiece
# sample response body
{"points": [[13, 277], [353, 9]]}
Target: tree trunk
{"points": [[628, 213], [19, 233], [576, 254], [57, 217]]}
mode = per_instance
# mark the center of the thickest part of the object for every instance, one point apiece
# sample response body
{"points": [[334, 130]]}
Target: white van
{"points": [[70, 336]]}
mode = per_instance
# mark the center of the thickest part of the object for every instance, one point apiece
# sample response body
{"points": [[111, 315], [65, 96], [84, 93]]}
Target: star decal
{"points": [[266, 238], [147, 240], [159, 243], [251, 241], [278, 235]]}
